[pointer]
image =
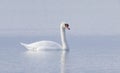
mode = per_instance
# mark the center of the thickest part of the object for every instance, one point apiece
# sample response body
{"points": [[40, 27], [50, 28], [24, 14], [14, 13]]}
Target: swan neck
{"points": [[63, 38]]}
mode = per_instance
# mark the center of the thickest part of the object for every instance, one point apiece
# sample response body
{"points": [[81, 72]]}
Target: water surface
{"points": [[86, 55]]}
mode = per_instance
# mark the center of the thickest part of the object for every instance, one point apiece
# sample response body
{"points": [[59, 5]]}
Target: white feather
{"points": [[49, 44]]}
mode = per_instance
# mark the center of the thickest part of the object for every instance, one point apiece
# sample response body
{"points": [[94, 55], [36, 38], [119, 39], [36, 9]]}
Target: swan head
{"points": [[65, 25]]}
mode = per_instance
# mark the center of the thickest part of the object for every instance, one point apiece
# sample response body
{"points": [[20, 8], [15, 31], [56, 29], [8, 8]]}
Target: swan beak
{"points": [[68, 28]]}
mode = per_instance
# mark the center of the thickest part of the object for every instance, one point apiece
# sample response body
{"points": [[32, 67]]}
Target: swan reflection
{"points": [[36, 54], [38, 58], [63, 61]]}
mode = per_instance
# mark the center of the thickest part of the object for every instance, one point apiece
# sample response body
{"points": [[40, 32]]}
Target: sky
{"points": [[43, 17]]}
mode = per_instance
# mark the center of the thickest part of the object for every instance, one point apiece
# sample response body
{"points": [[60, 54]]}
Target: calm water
{"points": [[86, 55]]}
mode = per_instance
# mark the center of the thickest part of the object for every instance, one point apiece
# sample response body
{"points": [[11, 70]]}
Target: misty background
{"points": [[93, 39], [42, 17]]}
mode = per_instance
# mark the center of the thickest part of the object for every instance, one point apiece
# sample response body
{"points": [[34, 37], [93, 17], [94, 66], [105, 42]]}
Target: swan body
{"points": [[42, 45]]}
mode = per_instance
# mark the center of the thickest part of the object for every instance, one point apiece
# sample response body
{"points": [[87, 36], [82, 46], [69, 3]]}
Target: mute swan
{"points": [[50, 44]]}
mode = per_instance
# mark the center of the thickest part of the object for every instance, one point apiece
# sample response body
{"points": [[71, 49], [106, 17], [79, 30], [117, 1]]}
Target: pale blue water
{"points": [[86, 55]]}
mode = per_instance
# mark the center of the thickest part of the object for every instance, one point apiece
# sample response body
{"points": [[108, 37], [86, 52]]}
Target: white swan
{"points": [[50, 44]]}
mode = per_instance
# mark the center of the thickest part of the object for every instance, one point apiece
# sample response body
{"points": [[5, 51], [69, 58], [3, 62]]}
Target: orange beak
{"points": [[68, 28]]}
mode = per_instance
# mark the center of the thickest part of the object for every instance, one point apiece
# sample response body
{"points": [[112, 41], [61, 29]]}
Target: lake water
{"points": [[86, 55]]}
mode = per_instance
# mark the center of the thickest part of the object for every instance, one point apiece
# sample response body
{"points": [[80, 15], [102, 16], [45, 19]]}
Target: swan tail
{"points": [[25, 45]]}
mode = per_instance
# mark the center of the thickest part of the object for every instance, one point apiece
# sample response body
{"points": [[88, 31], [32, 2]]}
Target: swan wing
{"points": [[42, 45]]}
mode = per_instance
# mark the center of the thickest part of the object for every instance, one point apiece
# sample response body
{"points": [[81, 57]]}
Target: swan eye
{"points": [[66, 25]]}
